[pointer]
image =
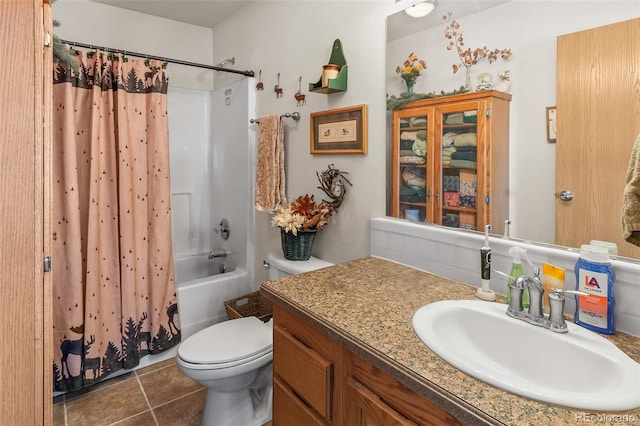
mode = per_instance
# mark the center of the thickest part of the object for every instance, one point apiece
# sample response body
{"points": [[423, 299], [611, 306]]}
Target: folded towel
{"points": [[409, 136], [418, 121], [452, 199], [465, 139], [448, 138], [451, 183], [466, 148], [631, 198], [463, 164], [414, 177], [464, 155], [421, 134], [270, 178], [419, 147], [468, 188], [412, 194], [455, 118], [412, 159]]}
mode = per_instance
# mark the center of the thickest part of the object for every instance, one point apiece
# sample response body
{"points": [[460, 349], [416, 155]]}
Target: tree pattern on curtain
{"points": [[113, 283]]}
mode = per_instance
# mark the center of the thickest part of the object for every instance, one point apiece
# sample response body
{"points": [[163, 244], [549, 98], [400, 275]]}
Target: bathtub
{"points": [[202, 290]]}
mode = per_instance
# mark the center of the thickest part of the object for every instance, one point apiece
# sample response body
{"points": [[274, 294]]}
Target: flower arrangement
{"points": [[469, 57], [303, 214], [410, 70]]}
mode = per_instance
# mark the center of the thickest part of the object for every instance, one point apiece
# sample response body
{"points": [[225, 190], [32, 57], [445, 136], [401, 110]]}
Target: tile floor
{"points": [[156, 395]]}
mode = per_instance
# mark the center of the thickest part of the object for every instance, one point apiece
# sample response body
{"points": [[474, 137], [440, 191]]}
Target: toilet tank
{"points": [[281, 267]]}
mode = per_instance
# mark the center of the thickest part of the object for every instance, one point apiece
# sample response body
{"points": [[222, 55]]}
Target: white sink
{"points": [[579, 369]]}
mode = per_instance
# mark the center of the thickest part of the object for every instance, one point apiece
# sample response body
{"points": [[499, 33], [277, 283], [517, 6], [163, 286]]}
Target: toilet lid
{"points": [[227, 342]]}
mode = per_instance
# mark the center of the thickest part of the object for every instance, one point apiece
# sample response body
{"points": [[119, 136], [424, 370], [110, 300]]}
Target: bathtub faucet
{"points": [[216, 254]]}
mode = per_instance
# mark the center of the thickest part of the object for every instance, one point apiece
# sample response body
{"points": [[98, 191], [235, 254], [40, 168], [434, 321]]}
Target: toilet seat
{"points": [[227, 344]]}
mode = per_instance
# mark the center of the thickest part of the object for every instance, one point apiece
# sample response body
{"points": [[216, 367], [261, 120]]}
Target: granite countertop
{"points": [[367, 305]]}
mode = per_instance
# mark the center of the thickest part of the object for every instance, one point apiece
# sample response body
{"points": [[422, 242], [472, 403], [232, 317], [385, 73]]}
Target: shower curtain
{"points": [[113, 285]]}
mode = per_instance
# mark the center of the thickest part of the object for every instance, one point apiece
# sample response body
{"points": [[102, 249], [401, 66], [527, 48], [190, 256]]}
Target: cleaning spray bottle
{"points": [[485, 292]]}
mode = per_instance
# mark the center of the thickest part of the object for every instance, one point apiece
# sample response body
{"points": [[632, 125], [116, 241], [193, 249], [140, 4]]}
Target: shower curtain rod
{"points": [[294, 115], [159, 58]]}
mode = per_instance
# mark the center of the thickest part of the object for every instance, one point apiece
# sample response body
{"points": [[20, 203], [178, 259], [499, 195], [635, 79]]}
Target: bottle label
{"points": [[593, 308]]}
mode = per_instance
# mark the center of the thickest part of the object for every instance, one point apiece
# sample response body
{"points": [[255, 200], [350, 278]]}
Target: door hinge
{"points": [[488, 112], [47, 38], [47, 264]]}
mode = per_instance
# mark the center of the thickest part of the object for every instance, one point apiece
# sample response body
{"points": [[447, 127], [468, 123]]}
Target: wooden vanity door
{"points": [[598, 120]]}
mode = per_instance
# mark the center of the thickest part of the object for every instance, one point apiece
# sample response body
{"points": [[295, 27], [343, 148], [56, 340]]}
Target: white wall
{"points": [[102, 25], [295, 39], [530, 29]]}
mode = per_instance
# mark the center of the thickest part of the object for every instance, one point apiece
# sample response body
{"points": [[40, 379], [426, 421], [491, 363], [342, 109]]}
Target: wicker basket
{"points": [[249, 305], [297, 247]]}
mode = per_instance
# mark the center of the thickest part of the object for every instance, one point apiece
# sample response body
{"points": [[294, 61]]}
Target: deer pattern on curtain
{"points": [[113, 283]]}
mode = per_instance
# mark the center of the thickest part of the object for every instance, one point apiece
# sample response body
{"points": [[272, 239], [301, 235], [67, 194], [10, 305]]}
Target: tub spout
{"points": [[216, 254]]}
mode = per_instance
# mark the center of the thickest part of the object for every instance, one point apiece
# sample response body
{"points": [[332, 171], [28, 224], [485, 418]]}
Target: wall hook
{"points": [[278, 89], [260, 86], [299, 96]]}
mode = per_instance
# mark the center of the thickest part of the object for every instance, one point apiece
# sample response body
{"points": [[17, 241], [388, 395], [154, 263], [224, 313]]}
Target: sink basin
{"points": [[579, 369]]}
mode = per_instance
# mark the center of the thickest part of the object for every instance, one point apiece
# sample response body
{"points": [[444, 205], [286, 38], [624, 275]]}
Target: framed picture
{"points": [[339, 131], [551, 124]]}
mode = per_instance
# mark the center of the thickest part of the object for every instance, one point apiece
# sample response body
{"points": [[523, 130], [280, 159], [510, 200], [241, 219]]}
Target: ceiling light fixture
{"points": [[420, 9]]}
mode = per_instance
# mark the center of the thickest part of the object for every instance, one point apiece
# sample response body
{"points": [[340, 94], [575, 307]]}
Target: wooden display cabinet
{"points": [[450, 162]]}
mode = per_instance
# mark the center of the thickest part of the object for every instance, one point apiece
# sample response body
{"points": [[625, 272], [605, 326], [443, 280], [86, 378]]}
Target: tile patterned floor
{"points": [[156, 395]]}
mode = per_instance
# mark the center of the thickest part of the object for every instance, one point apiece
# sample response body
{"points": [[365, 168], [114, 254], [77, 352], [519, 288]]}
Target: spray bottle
{"points": [[485, 292], [516, 254]]}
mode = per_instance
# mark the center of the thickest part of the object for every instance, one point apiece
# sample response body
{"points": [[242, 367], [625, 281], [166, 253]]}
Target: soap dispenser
{"points": [[517, 253]]}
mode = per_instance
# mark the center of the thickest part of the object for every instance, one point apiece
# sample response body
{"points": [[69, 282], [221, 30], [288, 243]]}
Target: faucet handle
{"points": [[557, 322], [559, 293]]}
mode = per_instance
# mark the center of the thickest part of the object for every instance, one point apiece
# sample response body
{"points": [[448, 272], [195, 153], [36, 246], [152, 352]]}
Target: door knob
{"points": [[566, 195]]}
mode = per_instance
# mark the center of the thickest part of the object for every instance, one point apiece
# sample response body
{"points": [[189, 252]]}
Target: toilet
{"points": [[233, 359]]}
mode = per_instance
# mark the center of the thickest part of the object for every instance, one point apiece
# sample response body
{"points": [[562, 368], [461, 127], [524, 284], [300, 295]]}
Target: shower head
{"points": [[232, 60]]}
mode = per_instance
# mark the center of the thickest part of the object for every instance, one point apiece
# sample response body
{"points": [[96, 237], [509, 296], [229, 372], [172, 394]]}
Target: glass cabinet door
{"points": [[457, 206], [413, 168]]}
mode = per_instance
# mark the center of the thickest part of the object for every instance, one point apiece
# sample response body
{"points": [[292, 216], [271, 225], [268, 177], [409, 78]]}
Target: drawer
{"points": [[305, 371], [288, 409]]}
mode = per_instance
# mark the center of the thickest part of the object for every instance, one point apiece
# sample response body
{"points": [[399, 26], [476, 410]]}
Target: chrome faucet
{"points": [[218, 254], [534, 315]]}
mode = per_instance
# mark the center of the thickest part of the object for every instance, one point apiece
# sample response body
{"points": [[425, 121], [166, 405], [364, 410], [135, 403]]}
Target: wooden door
{"points": [[598, 120], [25, 363]]}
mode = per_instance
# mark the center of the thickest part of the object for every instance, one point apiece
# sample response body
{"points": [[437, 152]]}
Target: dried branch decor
{"points": [[469, 57]]}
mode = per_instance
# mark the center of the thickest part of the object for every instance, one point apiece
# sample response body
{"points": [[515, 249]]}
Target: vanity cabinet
{"points": [[450, 161], [304, 373], [317, 381]]}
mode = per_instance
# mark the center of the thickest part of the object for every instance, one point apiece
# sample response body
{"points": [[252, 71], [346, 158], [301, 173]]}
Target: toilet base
{"points": [[237, 408]]}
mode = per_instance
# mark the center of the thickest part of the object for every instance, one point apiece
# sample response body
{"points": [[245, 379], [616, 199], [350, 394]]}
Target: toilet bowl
{"points": [[234, 360]]}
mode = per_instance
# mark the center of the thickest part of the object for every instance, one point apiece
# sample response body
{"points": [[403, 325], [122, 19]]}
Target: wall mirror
{"points": [[532, 158]]}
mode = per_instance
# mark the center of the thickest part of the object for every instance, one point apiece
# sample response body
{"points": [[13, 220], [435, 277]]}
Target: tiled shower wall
{"points": [[455, 254]]}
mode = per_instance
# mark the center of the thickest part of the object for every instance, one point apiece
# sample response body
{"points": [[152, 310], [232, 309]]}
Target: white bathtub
{"points": [[202, 291]]}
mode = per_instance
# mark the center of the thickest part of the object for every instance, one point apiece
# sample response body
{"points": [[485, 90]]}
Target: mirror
{"points": [[532, 68]]}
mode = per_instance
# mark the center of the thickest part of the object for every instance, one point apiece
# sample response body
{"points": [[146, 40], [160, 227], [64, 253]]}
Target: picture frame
{"points": [[551, 124], [339, 131]]}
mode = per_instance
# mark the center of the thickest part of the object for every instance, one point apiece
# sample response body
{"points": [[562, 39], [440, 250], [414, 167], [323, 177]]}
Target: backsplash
{"points": [[455, 254]]}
